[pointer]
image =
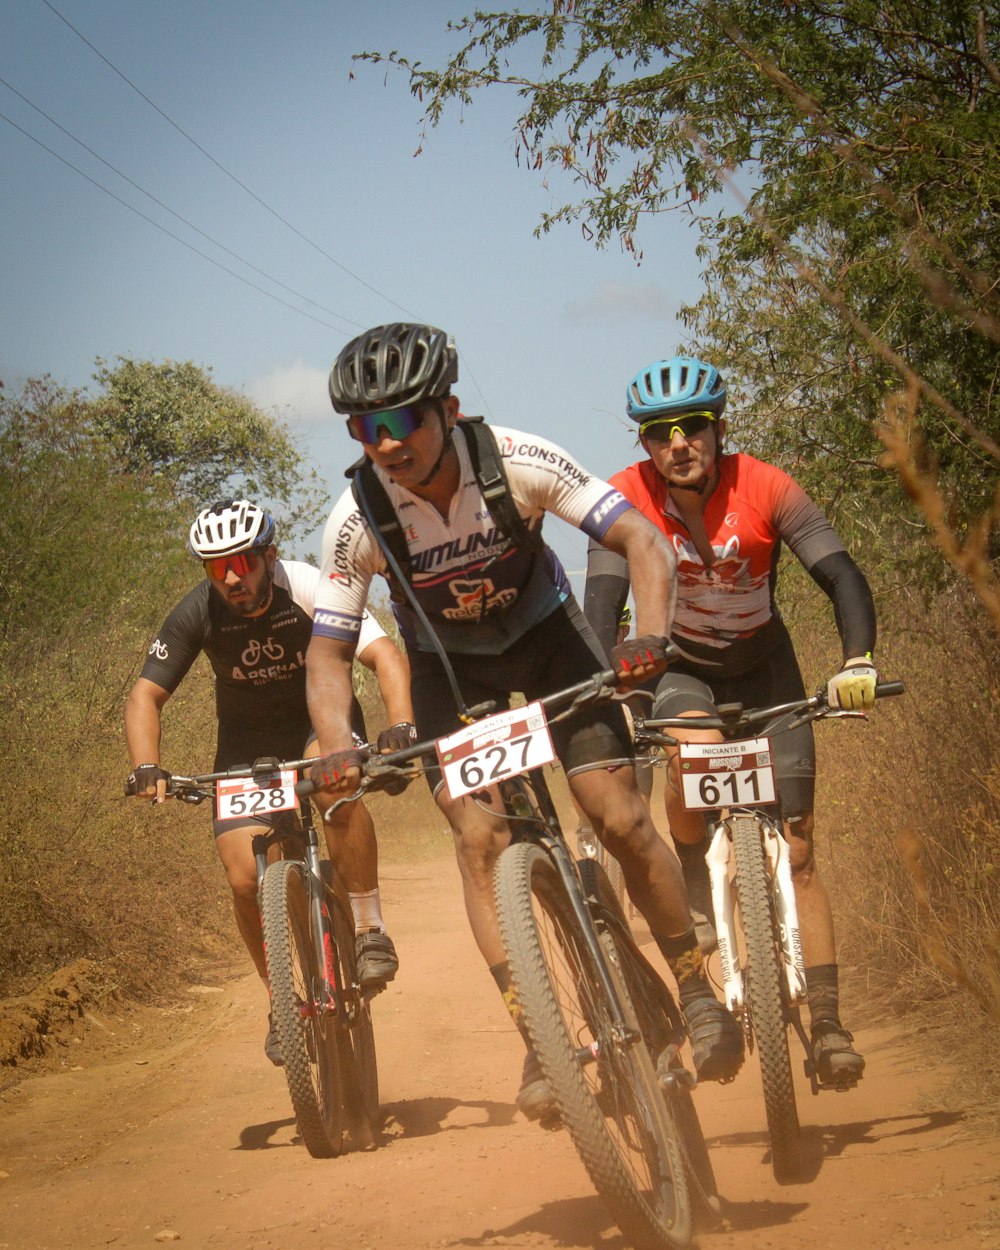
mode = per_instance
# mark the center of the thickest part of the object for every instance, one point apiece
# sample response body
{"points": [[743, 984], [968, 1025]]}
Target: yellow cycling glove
{"points": [[853, 688]]}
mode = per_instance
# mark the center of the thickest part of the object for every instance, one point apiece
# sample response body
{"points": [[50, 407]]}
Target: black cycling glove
{"points": [[397, 737], [638, 659], [143, 776], [330, 770]]}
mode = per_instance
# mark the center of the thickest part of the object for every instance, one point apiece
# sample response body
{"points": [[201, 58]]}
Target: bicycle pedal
{"points": [[552, 1121], [843, 1086]]}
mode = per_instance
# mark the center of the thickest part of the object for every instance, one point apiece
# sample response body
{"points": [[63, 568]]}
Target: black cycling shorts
{"points": [[689, 687], [558, 652]]}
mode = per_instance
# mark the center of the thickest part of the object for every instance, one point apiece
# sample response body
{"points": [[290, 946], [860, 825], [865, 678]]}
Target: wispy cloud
{"points": [[297, 392], [624, 299]]}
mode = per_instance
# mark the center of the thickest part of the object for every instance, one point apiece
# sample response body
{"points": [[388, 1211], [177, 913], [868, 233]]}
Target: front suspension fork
{"points": [[718, 857]]}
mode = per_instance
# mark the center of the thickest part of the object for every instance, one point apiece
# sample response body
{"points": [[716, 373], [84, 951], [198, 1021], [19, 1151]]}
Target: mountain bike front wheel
{"points": [[356, 1033], [601, 1075], [307, 1032], [765, 1003]]}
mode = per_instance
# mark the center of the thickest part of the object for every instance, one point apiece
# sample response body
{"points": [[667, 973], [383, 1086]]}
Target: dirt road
{"points": [[173, 1127]]}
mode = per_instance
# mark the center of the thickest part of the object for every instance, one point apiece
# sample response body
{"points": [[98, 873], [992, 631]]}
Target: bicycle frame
{"points": [[546, 832]]}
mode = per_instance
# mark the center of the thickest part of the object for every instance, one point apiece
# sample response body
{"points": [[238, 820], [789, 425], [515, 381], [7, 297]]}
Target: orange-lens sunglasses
{"points": [[241, 564]]}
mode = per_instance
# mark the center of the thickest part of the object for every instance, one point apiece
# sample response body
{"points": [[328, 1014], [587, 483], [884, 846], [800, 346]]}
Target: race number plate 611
{"points": [[495, 748], [726, 774], [255, 796]]}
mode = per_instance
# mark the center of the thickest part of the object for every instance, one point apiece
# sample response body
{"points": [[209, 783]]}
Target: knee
{"points": [[478, 846], [243, 886], [627, 831]]}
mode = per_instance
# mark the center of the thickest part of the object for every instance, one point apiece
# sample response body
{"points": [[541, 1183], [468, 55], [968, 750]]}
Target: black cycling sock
{"points": [[823, 994], [501, 974], [685, 961], [696, 878]]}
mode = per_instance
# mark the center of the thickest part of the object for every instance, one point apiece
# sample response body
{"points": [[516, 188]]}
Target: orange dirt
{"points": [[170, 1125]]}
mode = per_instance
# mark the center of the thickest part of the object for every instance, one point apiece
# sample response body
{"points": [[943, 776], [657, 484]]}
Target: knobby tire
{"points": [[308, 1036], [356, 1036], [660, 1027], [765, 1000], [613, 1108], [616, 879]]}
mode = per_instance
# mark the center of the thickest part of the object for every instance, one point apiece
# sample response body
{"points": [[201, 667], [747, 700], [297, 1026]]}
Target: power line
{"points": [[253, 195], [166, 207], [197, 251]]}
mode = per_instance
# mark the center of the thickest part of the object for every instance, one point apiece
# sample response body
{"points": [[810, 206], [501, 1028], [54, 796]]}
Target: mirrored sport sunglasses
{"points": [[399, 423], [661, 429], [241, 564]]}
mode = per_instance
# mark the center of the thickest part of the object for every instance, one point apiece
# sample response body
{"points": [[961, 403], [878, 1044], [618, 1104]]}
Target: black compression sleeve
{"points": [[853, 606], [605, 593]]}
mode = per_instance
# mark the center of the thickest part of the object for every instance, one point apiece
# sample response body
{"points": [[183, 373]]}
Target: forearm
{"points": [[142, 723], [605, 593], [652, 569], [853, 606], [393, 673], [329, 693]]}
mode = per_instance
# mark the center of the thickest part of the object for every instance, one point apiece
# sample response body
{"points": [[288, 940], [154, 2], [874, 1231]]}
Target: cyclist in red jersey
{"points": [[726, 516]]}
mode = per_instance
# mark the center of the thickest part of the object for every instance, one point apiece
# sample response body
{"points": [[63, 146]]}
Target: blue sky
{"points": [[549, 329]]}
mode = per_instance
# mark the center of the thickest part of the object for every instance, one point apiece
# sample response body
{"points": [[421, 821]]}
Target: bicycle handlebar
{"points": [[383, 772], [201, 786], [734, 720]]}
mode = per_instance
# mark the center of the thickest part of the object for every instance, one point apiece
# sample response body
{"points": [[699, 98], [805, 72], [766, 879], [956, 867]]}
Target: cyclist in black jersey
{"points": [[504, 620], [252, 617]]}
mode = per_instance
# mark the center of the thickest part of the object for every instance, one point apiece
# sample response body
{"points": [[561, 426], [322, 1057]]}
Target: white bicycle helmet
{"points": [[230, 526]]}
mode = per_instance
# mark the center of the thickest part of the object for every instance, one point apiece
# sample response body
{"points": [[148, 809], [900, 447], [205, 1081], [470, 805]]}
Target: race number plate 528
{"points": [[495, 748], [255, 796], [726, 774]]}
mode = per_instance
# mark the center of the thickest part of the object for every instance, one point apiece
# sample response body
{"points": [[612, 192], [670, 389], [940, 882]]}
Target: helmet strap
{"points": [[448, 435]]}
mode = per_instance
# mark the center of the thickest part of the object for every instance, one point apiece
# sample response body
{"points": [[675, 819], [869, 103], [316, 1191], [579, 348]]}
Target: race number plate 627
{"points": [[495, 748], [726, 774], [255, 796]]}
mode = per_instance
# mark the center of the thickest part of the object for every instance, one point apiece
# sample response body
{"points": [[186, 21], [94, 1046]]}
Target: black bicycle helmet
{"points": [[392, 365]]}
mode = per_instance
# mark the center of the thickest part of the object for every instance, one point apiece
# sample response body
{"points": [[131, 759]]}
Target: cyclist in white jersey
{"points": [[506, 621]]}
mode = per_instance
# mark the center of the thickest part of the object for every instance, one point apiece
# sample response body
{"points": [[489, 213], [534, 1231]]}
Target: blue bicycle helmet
{"points": [[679, 385]]}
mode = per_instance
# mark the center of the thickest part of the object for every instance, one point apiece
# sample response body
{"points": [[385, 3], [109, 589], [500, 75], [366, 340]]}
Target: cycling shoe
{"points": [[534, 1099], [716, 1039], [272, 1047], [377, 959], [837, 1062]]}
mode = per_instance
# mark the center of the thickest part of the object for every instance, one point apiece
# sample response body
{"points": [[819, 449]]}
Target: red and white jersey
{"points": [[479, 590], [752, 510]]}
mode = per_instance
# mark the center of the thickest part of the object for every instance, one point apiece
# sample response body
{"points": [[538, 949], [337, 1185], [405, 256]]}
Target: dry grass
{"points": [[908, 824]]}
